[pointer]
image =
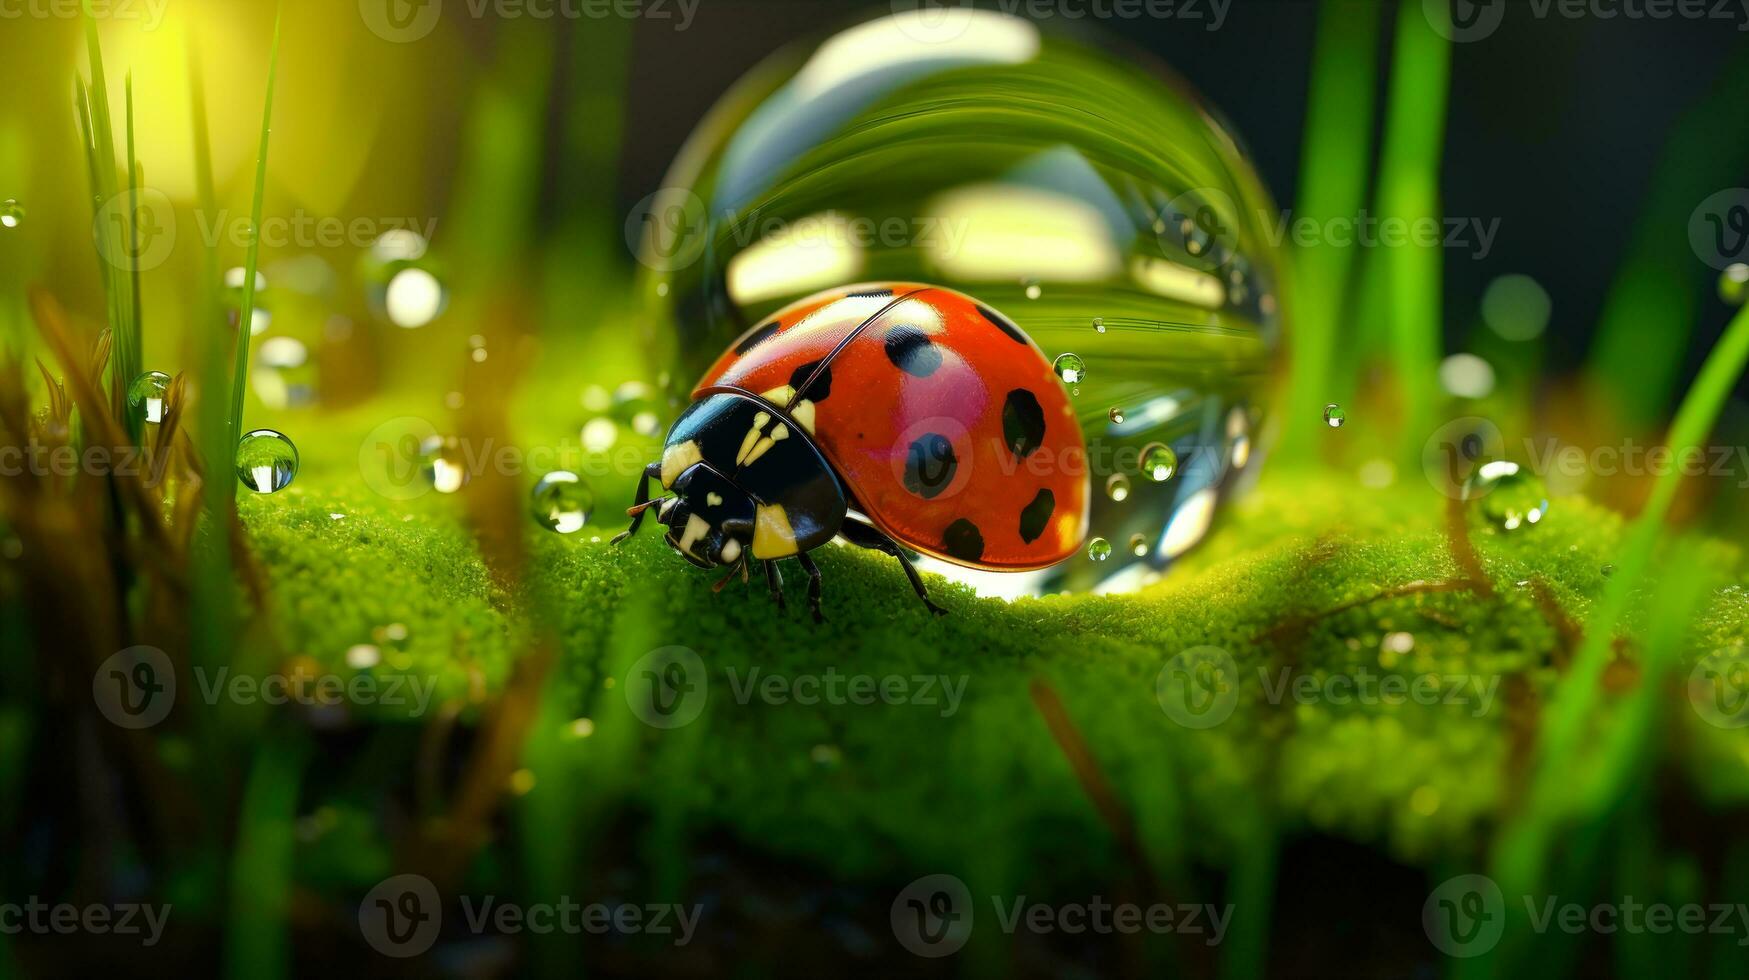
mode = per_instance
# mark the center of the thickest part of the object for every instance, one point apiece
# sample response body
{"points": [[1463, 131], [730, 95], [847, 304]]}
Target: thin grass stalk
{"points": [[252, 259]]}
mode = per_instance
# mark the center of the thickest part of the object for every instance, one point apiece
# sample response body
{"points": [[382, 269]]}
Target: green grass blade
{"points": [[131, 369], [114, 244], [1409, 191], [1523, 852], [251, 262], [257, 942], [1334, 163]]}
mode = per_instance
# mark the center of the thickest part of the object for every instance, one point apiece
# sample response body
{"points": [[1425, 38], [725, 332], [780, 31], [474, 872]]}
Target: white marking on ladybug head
{"points": [[731, 551], [713, 499], [697, 528]]}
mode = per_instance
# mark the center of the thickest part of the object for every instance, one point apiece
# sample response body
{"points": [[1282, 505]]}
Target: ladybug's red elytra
{"points": [[898, 415]]}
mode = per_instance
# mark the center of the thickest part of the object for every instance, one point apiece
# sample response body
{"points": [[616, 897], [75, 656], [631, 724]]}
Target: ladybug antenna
{"points": [[826, 361], [637, 509]]}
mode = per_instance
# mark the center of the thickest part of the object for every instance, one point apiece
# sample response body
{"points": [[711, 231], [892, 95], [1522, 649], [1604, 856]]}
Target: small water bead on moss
{"points": [[267, 462], [1099, 549], [1734, 284], [1070, 368], [1139, 545], [1507, 495], [443, 463], [1334, 416], [1118, 487], [146, 397], [562, 502], [11, 213], [1159, 462]]}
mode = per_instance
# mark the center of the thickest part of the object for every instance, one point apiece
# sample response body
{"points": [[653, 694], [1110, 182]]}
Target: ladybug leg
{"points": [[774, 579], [868, 536], [813, 571], [641, 505]]}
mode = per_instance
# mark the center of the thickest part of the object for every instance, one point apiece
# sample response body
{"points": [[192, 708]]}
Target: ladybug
{"points": [[896, 415]]}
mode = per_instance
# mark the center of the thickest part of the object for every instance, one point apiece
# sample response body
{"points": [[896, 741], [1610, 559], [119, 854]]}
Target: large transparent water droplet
{"points": [[1159, 462], [562, 502], [267, 462], [1507, 495], [146, 397], [11, 213], [1099, 549], [444, 463]]}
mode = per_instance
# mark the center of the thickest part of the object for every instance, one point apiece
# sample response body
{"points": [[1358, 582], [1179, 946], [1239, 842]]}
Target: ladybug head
{"points": [[709, 519]]}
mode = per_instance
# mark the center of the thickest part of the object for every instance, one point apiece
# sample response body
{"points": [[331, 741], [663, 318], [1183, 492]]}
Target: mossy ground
{"points": [[1309, 577]]}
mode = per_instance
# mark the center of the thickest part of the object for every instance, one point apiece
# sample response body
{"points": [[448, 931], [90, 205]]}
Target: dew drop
{"points": [[1118, 487], [1334, 416], [1139, 545], [1159, 462], [1033, 290], [1099, 549], [1070, 368], [1099, 324], [443, 463], [1117, 416], [1608, 570], [146, 397], [11, 213], [562, 502], [1734, 284], [1508, 496], [267, 461]]}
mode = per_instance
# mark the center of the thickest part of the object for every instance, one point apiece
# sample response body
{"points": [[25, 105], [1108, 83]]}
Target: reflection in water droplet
{"points": [[1507, 495], [562, 502], [11, 213], [1116, 416], [1159, 462], [1734, 284], [1099, 549], [1070, 368], [1118, 487], [1138, 545], [267, 462], [599, 435], [146, 397], [444, 463], [1334, 416]]}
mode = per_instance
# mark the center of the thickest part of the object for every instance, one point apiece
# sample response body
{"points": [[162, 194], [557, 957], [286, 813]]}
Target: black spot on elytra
{"points": [[818, 390], [1036, 515], [868, 293], [930, 465], [1003, 325], [755, 336], [1023, 423], [962, 540], [912, 352]]}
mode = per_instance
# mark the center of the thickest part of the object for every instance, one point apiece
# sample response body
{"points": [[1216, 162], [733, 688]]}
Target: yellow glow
{"points": [[811, 254], [1174, 281], [1007, 232]]}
